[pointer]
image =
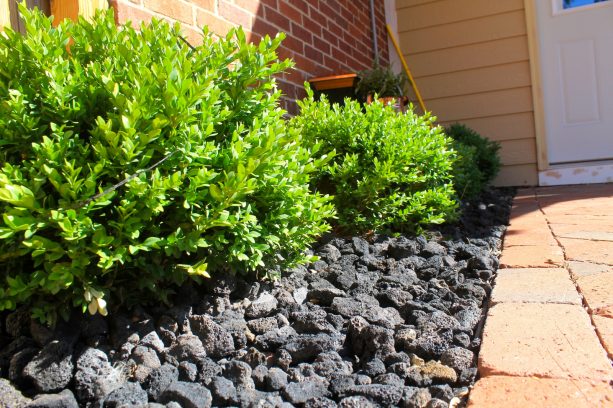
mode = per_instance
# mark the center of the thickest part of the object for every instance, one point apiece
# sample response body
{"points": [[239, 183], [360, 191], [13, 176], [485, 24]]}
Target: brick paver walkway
{"points": [[548, 335]]}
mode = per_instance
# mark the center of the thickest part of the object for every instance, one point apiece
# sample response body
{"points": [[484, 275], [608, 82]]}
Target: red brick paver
{"points": [[528, 241], [580, 268], [591, 234], [528, 236], [534, 285], [548, 336], [597, 290], [571, 230], [588, 250], [582, 220], [531, 392], [532, 256], [543, 340], [604, 328]]}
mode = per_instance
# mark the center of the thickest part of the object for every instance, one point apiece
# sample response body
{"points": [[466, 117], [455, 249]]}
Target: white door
{"points": [[576, 50]]}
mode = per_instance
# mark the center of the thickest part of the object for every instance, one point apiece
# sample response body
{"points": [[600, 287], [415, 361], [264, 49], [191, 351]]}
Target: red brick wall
{"points": [[324, 37]]}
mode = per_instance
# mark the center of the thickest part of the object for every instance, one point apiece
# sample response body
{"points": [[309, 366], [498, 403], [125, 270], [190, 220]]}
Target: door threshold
{"points": [[577, 173]]}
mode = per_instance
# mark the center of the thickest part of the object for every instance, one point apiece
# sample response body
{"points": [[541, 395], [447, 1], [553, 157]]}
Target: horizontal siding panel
{"points": [[483, 29], [486, 79], [451, 11], [400, 4], [88, 8], [503, 127], [481, 105], [520, 175], [522, 151], [5, 14], [471, 56]]}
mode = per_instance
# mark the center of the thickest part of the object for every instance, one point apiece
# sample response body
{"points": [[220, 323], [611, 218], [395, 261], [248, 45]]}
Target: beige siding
{"points": [[445, 12], [88, 8], [479, 105], [5, 14], [519, 175], [503, 127], [470, 61], [520, 151], [407, 3], [470, 56], [485, 79], [464, 32]]}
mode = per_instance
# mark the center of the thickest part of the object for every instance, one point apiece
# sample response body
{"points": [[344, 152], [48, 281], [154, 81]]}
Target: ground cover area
{"points": [[377, 321]]}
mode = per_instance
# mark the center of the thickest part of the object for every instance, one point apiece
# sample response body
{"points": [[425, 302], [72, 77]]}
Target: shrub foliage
{"points": [[131, 161], [390, 170], [478, 160]]}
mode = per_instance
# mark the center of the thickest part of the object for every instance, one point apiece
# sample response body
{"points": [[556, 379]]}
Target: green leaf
{"points": [[215, 192], [100, 238], [125, 121], [19, 223], [153, 242], [6, 233], [20, 196]]}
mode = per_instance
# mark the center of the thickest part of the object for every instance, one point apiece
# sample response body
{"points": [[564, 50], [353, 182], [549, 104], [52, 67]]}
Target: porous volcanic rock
{"points": [[377, 321]]}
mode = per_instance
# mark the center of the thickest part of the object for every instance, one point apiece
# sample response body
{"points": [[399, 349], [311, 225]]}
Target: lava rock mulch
{"points": [[377, 321]]}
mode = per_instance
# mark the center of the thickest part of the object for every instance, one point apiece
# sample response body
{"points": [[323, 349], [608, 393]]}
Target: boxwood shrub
{"points": [[391, 171], [131, 161], [478, 160]]}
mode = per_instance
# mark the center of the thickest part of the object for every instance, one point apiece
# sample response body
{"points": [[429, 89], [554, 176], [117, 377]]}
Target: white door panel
{"points": [[577, 76]]}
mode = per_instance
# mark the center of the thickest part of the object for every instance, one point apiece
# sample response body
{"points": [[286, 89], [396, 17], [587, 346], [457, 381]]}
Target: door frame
{"points": [[597, 172], [534, 51]]}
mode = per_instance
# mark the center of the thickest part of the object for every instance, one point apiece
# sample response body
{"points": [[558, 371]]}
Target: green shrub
{"points": [[478, 160], [466, 173], [390, 170], [131, 161]]}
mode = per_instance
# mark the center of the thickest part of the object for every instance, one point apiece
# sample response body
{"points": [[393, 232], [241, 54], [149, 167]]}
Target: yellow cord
{"points": [[406, 68]]}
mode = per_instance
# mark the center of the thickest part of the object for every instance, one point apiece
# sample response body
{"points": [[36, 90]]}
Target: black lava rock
{"points": [[374, 367], [387, 395], [186, 347], [301, 392], [320, 402], [52, 368], [18, 362], [207, 370], [223, 391], [160, 379], [188, 395], [306, 347], [95, 377], [382, 321], [129, 394], [239, 373], [276, 379], [64, 399], [368, 341], [263, 306], [188, 371], [458, 358], [403, 248], [216, 340]]}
